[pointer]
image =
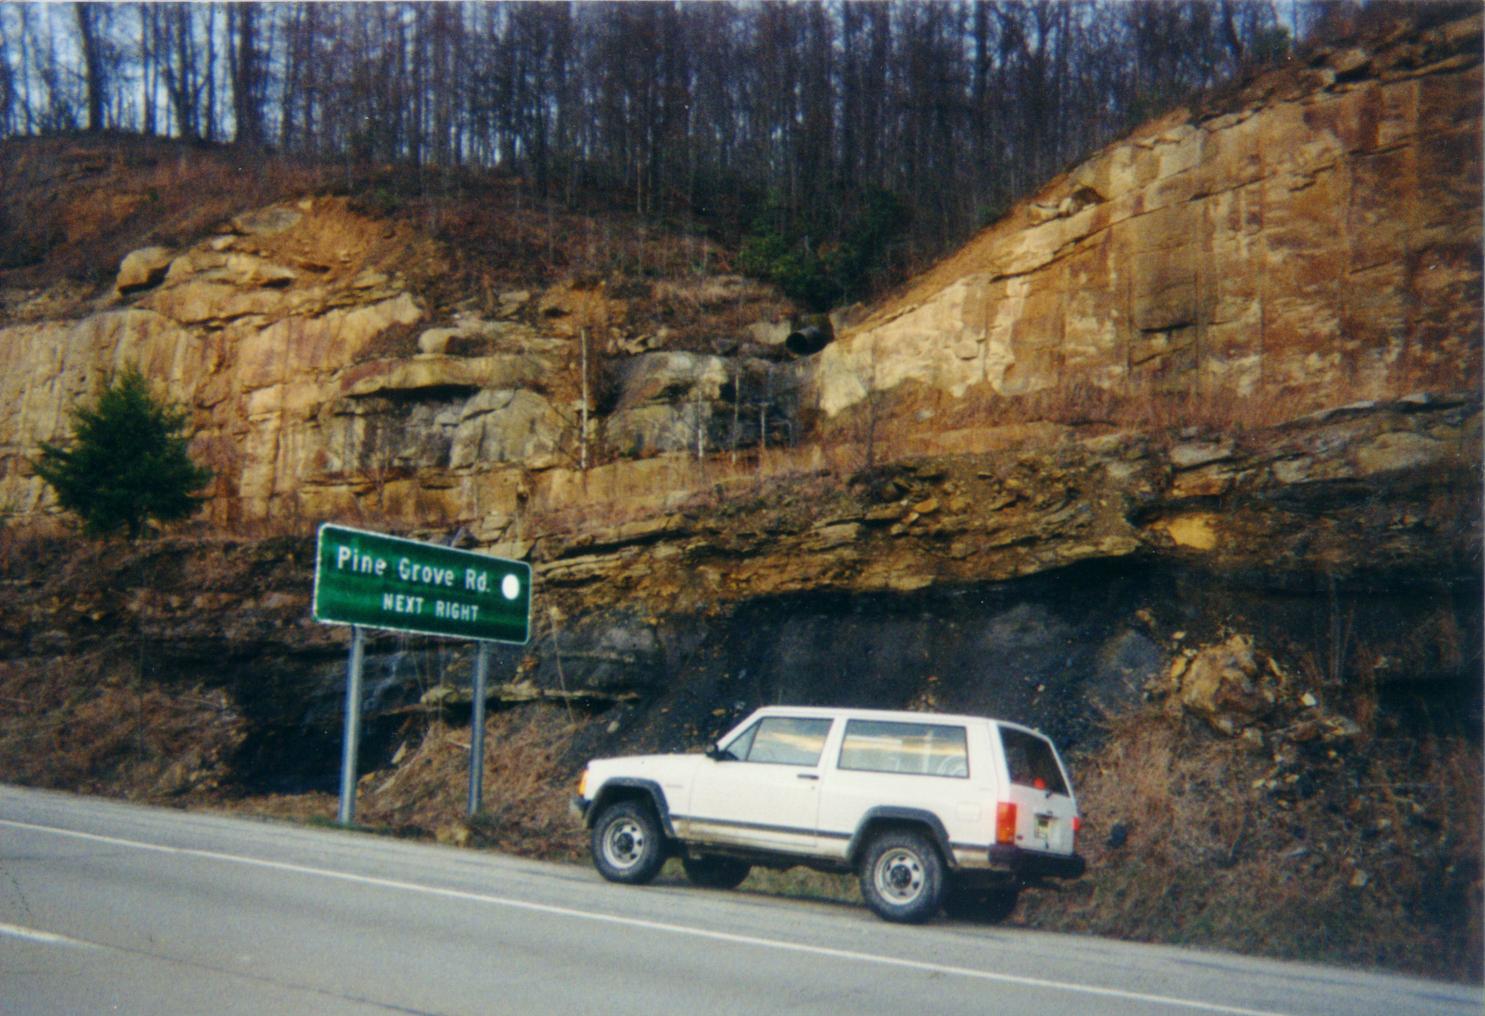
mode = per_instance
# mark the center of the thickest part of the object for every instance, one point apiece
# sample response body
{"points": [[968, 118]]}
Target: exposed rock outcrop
{"points": [[1314, 233], [1309, 238]]}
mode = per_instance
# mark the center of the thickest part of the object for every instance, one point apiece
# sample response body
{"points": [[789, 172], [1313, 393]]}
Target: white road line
{"points": [[45, 937], [674, 929]]}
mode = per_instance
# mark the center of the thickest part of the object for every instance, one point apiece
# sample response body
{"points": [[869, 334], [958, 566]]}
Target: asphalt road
{"points": [[107, 907]]}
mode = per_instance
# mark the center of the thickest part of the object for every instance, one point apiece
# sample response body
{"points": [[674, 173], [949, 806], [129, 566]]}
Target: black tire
{"points": [[716, 872], [902, 876], [990, 905], [628, 844]]}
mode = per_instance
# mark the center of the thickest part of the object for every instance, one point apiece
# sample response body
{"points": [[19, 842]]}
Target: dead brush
{"points": [[1372, 856], [116, 736], [716, 294], [526, 786]]}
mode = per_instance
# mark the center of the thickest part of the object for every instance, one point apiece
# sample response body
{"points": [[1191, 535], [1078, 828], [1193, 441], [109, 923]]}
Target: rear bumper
{"points": [[1033, 864]]}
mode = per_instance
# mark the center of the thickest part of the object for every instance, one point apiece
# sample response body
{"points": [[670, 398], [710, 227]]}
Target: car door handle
{"points": [[809, 776]]}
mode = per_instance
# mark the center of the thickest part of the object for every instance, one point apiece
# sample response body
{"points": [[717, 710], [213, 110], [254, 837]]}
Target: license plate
{"points": [[1044, 827]]}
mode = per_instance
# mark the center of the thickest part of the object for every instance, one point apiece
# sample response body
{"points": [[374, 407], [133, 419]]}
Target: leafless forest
{"points": [[872, 133]]}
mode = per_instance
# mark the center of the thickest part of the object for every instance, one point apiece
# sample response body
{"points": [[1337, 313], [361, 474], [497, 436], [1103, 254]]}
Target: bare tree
{"points": [[91, 34], [182, 64], [723, 109], [247, 71]]}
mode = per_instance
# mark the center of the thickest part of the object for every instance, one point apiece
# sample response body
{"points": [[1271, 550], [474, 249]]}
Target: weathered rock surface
{"points": [[1294, 502], [678, 402], [508, 425], [1308, 239], [321, 388], [1314, 233]]}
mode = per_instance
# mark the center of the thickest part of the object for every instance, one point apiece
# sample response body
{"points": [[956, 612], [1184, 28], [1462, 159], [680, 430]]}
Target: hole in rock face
{"points": [[808, 340]]}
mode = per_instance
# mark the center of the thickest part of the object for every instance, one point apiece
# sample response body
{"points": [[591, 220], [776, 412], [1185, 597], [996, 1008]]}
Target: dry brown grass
{"points": [[424, 792], [526, 786], [75, 206], [118, 735], [1376, 863]]}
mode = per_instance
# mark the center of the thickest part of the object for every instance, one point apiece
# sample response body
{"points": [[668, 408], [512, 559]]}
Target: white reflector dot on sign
{"points": [[511, 587]]}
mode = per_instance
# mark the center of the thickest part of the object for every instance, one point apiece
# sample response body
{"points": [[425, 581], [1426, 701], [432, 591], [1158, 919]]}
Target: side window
{"points": [[739, 745], [923, 749], [1031, 761], [784, 740]]}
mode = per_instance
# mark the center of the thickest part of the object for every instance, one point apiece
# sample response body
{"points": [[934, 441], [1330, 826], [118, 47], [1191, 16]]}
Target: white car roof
{"points": [[895, 715]]}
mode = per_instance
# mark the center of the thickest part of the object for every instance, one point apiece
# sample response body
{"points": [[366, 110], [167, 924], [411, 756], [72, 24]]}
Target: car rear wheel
{"points": [[902, 876], [971, 904], [627, 843], [716, 872]]}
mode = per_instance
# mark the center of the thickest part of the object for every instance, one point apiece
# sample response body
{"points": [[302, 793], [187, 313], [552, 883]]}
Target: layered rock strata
{"points": [[1314, 234], [1309, 239]]}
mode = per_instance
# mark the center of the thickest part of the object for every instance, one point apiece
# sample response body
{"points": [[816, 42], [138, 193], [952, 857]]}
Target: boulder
{"points": [[435, 341], [143, 268], [1225, 685], [434, 373], [669, 402], [267, 221]]}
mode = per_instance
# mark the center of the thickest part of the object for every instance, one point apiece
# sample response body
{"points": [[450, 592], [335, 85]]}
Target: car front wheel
{"points": [[627, 843], [902, 876]]}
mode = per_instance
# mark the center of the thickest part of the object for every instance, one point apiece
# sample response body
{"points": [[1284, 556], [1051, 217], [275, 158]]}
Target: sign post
{"points": [[477, 729], [351, 744], [371, 580]]}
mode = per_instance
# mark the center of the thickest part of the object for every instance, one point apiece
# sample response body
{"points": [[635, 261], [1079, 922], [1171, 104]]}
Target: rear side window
{"points": [[1032, 761], [922, 749], [784, 740]]}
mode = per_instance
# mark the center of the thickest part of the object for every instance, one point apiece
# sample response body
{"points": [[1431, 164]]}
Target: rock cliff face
{"points": [[1314, 232], [1308, 240], [322, 387]]}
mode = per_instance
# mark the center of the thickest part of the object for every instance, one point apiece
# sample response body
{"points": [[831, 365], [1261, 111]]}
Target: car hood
{"points": [[650, 767]]}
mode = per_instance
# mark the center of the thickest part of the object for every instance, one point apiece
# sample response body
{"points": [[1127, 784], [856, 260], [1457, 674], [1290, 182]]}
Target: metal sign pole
{"points": [[477, 729], [352, 741]]}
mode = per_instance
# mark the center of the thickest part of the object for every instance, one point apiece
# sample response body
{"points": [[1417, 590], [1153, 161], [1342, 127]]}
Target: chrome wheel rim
{"points": [[624, 843], [899, 876]]}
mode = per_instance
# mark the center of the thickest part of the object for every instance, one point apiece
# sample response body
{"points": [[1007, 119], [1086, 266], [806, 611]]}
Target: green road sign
{"points": [[383, 581]]}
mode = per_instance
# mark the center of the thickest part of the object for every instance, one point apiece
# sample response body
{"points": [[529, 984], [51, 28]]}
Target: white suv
{"points": [[929, 809]]}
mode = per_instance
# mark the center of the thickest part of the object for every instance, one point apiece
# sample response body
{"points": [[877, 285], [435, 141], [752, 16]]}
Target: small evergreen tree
{"points": [[127, 463]]}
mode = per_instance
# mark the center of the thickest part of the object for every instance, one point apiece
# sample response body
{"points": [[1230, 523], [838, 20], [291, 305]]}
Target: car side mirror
{"points": [[717, 753]]}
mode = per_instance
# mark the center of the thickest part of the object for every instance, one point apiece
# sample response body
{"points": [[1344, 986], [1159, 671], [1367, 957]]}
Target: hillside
{"points": [[1179, 461]]}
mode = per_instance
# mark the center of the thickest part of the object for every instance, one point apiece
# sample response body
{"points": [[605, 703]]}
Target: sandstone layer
{"points": [[1309, 239], [1312, 235]]}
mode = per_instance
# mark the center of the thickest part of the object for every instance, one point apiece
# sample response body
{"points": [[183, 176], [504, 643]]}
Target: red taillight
{"points": [[1077, 823], [1005, 822]]}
